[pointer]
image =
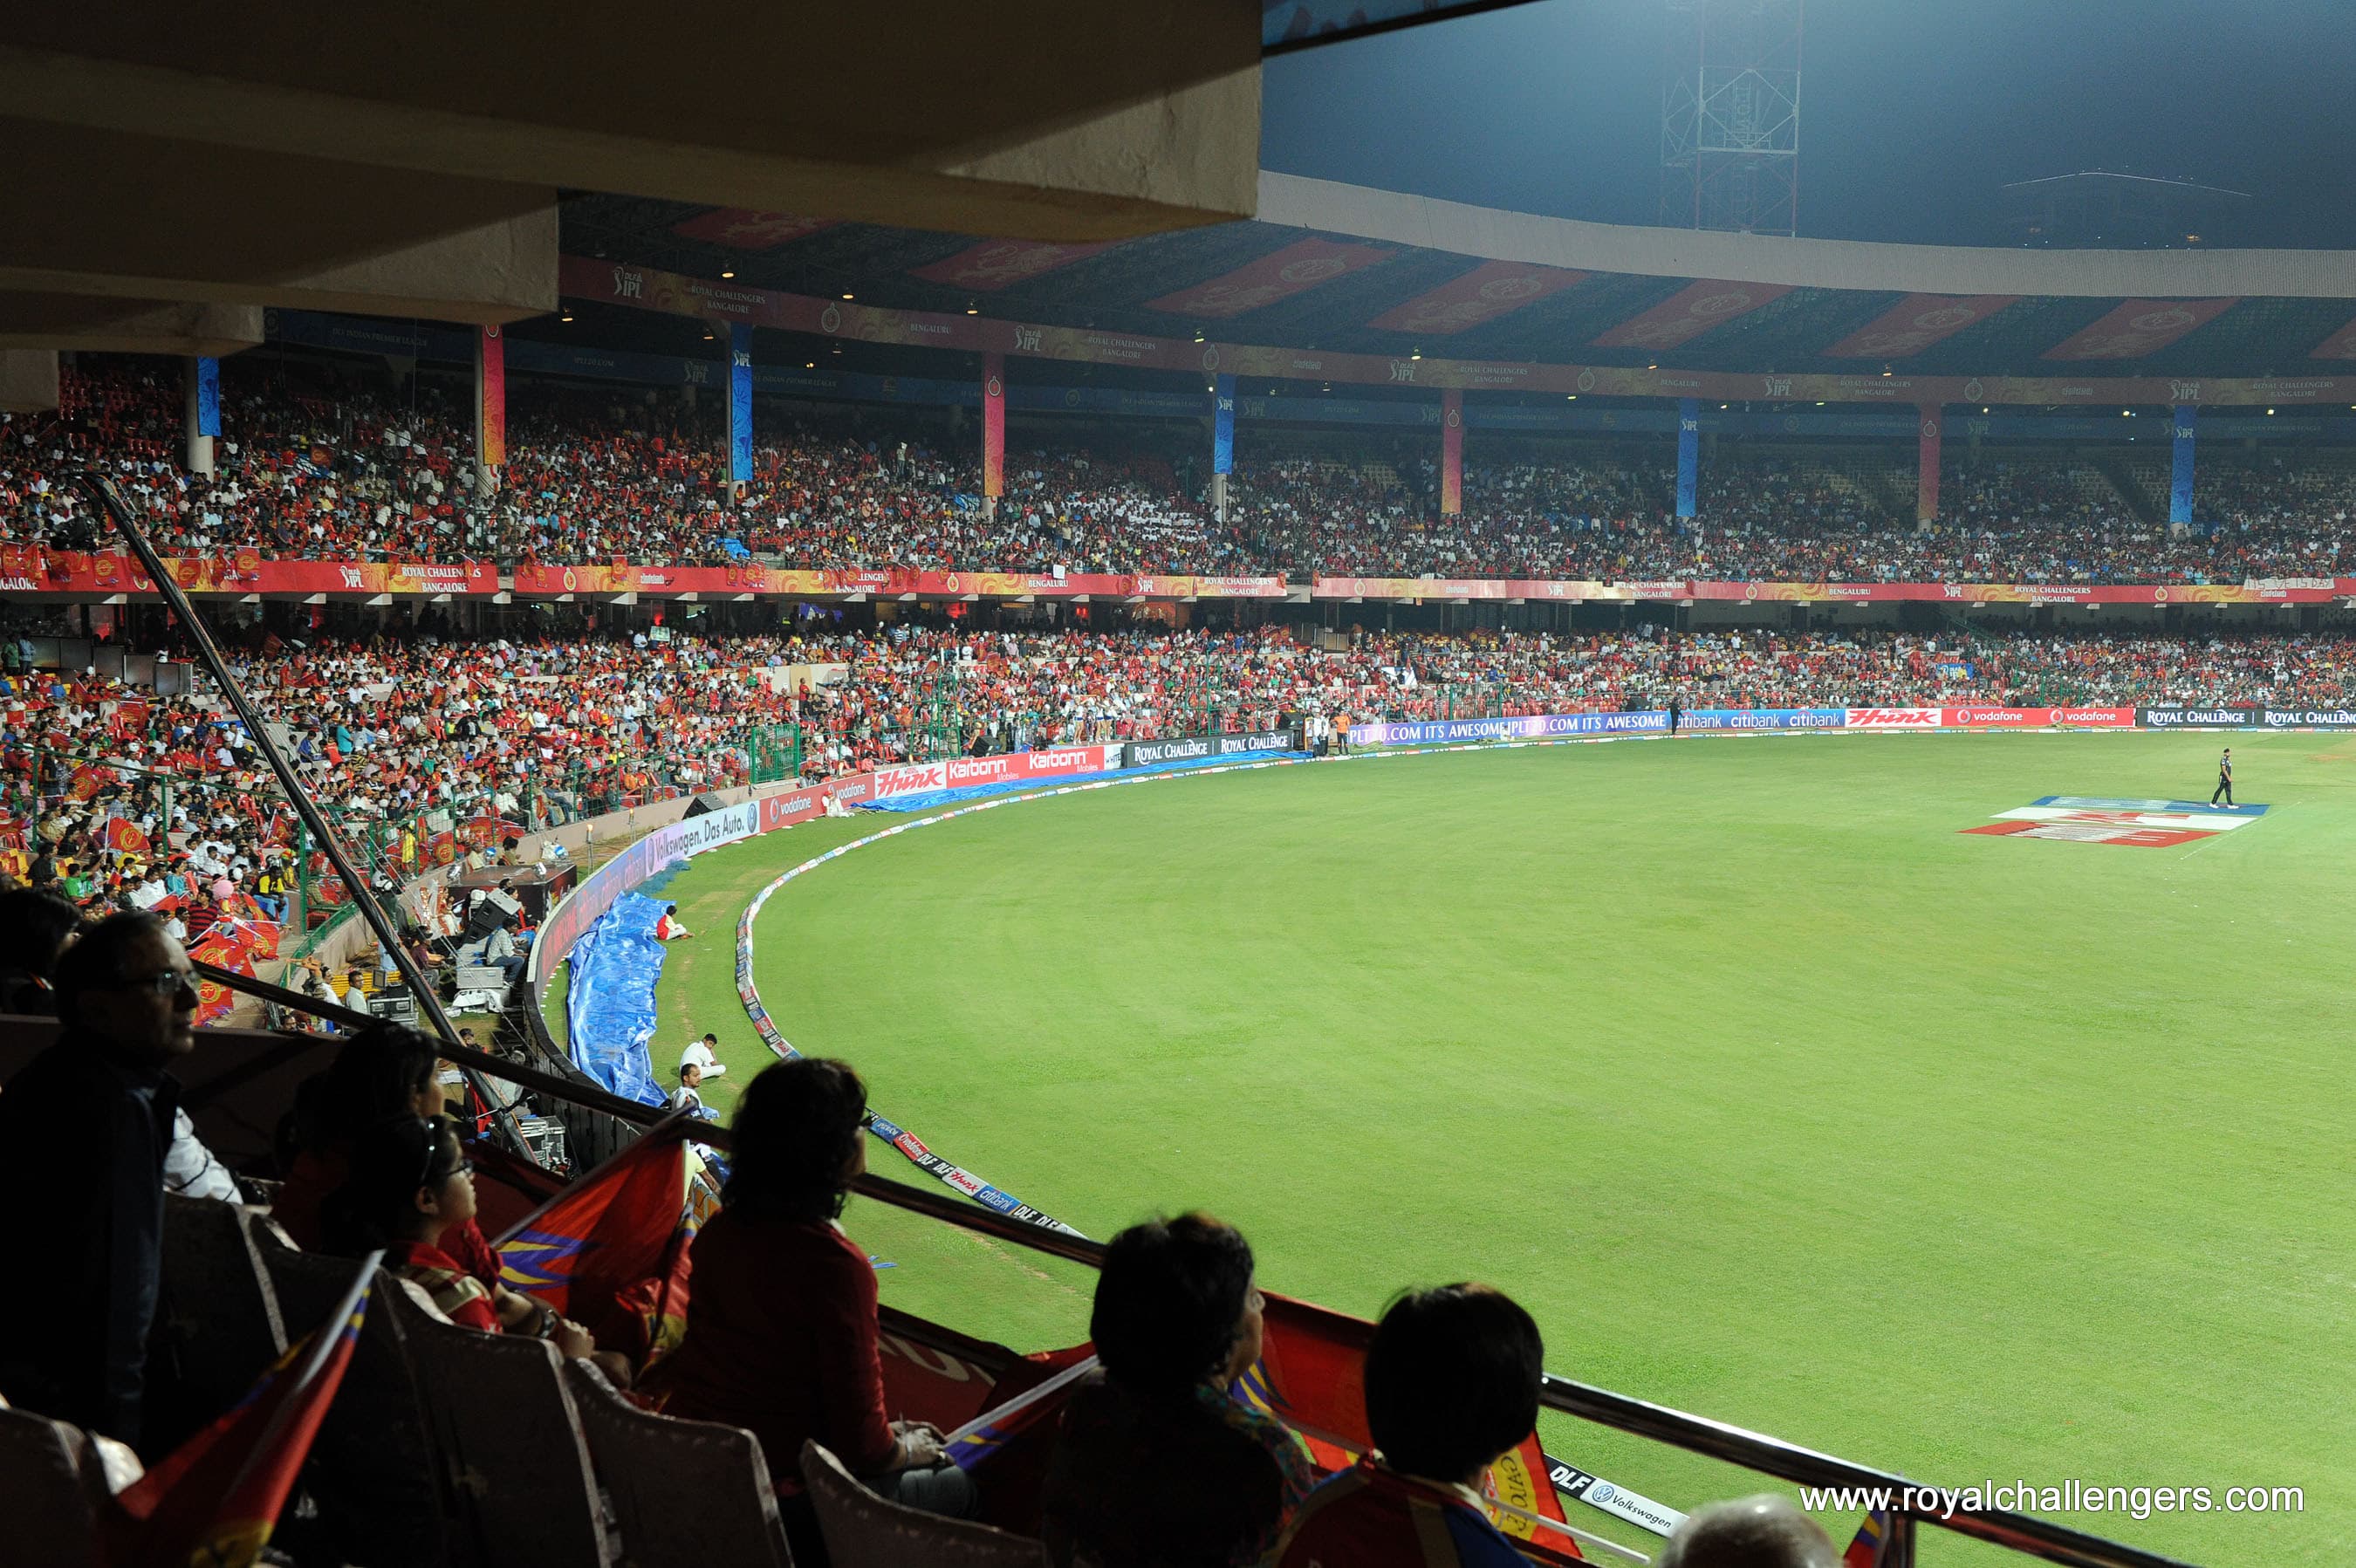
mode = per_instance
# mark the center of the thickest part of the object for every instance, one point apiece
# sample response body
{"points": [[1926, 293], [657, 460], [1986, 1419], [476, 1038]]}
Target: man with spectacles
{"points": [[85, 1131]]}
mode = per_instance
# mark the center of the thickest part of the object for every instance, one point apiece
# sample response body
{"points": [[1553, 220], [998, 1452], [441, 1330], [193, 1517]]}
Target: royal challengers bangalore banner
{"points": [[993, 424], [245, 571], [491, 398], [1451, 451]]}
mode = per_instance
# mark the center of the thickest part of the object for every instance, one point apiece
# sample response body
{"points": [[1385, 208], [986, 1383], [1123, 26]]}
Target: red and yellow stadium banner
{"points": [[29, 568], [1465, 588], [545, 582], [2297, 591]]}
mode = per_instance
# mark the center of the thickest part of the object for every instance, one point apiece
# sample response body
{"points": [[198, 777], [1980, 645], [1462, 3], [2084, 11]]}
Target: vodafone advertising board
{"points": [[2038, 718], [1891, 718]]}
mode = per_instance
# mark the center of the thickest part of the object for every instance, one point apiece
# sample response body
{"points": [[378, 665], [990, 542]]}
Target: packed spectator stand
{"points": [[425, 749], [318, 463]]}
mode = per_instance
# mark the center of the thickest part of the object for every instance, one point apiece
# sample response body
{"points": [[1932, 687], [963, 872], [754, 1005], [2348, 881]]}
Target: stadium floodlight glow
{"points": [[846, 297], [728, 271], [2270, 413]]}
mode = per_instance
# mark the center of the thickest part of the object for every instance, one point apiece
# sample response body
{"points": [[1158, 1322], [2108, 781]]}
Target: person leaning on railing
{"points": [[781, 1326], [1155, 1463]]}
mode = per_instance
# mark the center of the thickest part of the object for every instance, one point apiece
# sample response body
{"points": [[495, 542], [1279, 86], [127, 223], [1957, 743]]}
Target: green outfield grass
{"points": [[1774, 1096]]}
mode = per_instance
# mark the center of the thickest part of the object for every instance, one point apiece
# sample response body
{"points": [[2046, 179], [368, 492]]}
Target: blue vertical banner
{"points": [[1688, 453], [2179, 488], [740, 404], [1222, 425], [208, 396]]}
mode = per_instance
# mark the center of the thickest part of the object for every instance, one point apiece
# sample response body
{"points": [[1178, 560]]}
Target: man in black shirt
{"points": [[84, 1129], [1677, 712], [2225, 778]]}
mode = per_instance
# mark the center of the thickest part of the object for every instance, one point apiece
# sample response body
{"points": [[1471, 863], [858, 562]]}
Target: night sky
{"points": [[1913, 111]]}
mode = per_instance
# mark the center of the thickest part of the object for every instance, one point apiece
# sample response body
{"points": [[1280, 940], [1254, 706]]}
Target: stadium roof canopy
{"points": [[1342, 269]]}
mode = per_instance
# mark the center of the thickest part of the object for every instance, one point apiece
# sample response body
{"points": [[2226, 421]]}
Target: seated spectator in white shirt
{"points": [[699, 1054], [685, 1098], [194, 1171]]}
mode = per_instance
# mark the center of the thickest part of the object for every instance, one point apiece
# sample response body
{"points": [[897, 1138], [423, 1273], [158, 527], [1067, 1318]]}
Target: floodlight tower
{"points": [[1730, 116]]}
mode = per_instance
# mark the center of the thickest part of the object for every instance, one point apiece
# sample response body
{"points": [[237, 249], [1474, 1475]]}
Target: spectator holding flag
{"points": [[1156, 1464], [1451, 1384]]}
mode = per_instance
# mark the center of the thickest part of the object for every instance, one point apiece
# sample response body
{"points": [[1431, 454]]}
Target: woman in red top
{"points": [[781, 1331]]}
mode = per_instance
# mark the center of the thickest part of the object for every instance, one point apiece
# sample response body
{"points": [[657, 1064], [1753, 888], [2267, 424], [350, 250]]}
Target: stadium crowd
{"points": [[316, 466], [425, 748]]}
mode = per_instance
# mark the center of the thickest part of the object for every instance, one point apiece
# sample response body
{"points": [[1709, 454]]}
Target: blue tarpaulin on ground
{"points": [[932, 798], [609, 1001]]}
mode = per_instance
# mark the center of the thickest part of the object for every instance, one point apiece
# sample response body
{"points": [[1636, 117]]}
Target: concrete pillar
{"points": [[1451, 451], [740, 411], [1223, 441], [1926, 465], [28, 379], [2179, 489], [203, 382], [490, 408], [993, 430], [1688, 453]]}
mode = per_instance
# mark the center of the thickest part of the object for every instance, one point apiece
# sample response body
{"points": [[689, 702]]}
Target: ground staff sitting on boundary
{"points": [[800, 1361]]}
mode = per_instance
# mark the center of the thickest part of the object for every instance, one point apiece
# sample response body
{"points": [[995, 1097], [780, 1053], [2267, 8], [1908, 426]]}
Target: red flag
{"points": [[88, 781], [443, 848], [215, 1498], [607, 1251], [123, 834], [1870, 1542], [258, 937], [222, 952]]}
